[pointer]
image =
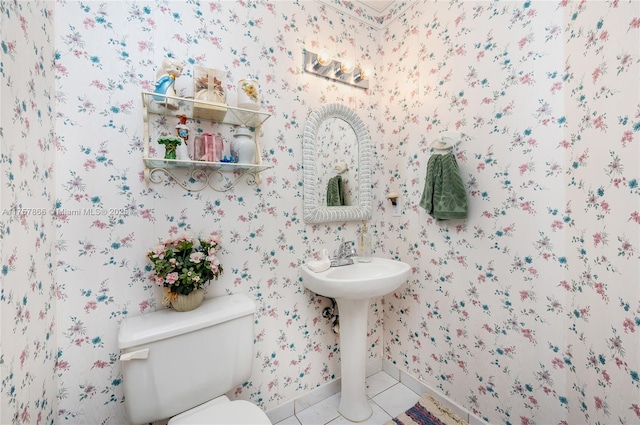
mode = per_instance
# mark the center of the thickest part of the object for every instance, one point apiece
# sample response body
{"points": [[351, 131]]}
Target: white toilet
{"points": [[182, 363]]}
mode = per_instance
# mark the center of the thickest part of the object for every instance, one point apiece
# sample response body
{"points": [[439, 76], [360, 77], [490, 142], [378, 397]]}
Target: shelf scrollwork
{"points": [[198, 179]]}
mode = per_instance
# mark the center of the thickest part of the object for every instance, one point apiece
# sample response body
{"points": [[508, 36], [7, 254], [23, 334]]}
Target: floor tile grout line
{"points": [[382, 408], [369, 397]]}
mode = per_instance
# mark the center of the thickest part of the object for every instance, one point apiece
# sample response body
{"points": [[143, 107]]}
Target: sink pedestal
{"points": [[353, 287], [354, 404]]}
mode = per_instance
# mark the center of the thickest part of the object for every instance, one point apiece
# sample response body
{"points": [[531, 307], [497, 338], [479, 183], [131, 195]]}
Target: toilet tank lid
{"points": [[162, 324]]}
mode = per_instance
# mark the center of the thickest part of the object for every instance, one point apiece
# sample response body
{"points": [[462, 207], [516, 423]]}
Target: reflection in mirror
{"points": [[337, 148], [335, 134]]}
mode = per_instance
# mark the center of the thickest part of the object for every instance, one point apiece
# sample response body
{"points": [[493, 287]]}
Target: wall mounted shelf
{"points": [[219, 176], [159, 114]]}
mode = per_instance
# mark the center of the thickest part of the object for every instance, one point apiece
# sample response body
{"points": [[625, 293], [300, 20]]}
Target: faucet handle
{"points": [[345, 247], [342, 255], [347, 250]]}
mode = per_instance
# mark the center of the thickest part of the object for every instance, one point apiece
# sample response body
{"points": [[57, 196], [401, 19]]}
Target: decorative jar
{"points": [[249, 94], [244, 146]]}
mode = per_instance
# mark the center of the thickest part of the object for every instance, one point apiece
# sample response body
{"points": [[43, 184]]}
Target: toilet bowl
{"points": [[222, 411], [179, 365]]}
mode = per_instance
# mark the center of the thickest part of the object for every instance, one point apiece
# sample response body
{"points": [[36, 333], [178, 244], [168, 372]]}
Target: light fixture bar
{"points": [[336, 70]]}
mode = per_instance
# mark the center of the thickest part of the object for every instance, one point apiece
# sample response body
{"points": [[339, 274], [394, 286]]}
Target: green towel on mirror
{"points": [[335, 192], [444, 196]]}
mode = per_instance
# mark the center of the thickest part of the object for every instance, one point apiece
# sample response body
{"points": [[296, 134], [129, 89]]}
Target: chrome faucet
{"points": [[342, 256]]}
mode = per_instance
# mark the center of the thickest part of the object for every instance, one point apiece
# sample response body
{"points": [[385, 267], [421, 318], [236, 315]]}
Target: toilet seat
{"points": [[222, 411]]}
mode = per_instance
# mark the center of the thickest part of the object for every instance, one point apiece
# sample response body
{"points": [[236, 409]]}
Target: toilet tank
{"points": [[173, 361]]}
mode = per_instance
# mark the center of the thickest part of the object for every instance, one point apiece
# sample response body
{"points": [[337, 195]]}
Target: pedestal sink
{"points": [[353, 287]]}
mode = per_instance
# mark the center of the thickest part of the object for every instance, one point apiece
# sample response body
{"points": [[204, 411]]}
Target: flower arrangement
{"points": [[184, 264]]}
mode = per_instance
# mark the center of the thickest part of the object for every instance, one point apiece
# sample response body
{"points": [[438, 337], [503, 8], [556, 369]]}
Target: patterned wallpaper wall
{"points": [[526, 312], [106, 53], [27, 229]]}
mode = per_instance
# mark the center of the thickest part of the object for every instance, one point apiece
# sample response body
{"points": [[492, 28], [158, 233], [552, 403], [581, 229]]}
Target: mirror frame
{"points": [[314, 213]]}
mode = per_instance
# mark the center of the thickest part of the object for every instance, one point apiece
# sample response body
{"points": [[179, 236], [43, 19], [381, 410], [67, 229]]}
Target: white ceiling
{"points": [[377, 13], [377, 5]]}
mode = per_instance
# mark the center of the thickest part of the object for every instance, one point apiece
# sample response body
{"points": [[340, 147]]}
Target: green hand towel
{"points": [[444, 196], [335, 192]]}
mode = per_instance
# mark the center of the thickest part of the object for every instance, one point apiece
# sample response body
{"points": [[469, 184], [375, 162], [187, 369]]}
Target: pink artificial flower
{"points": [[172, 277], [158, 251], [196, 257], [213, 260]]}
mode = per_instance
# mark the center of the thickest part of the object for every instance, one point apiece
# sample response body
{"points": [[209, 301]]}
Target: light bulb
{"points": [[324, 58], [347, 66], [364, 74], [343, 67]]}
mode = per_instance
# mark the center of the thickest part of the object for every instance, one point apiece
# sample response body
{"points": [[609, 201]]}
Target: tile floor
{"points": [[387, 397]]}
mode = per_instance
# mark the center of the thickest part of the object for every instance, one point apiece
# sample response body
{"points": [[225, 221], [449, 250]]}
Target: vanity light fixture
{"points": [[343, 71]]}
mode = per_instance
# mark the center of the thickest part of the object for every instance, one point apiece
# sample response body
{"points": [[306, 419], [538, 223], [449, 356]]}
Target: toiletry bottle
{"points": [[364, 247]]}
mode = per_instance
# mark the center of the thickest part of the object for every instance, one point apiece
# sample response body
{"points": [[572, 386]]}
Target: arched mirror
{"points": [[336, 143]]}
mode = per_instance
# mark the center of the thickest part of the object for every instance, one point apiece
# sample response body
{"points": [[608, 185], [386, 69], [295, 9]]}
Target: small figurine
{"points": [[182, 130], [165, 80], [170, 144]]}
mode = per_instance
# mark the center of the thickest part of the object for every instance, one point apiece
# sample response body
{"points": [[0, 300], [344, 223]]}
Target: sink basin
{"points": [[353, 286], [357, 281]]}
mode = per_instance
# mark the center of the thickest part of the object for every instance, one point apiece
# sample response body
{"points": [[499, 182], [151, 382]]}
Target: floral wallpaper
{"points": [[28, 345], [526, 312], [106, 54]]}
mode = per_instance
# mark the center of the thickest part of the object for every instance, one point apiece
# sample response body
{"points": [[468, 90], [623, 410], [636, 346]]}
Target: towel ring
{"points": [[340, 167], [447, 140]]}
